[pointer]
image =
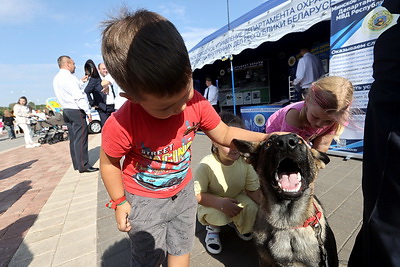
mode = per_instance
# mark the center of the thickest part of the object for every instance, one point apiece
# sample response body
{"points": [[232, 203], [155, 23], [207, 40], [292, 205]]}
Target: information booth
{"points": [[262, 49]]}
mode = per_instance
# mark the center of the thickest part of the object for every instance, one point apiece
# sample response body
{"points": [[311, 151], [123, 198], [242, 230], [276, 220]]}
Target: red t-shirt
{"points": [[157, 151]]}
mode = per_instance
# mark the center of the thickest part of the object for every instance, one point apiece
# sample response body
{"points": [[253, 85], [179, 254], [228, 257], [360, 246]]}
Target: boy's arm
{"points": [[223, 134], [111, 175]]}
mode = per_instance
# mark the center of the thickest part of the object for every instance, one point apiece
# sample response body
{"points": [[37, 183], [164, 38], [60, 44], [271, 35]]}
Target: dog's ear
{"points": [[249, 150], [321, 157]]}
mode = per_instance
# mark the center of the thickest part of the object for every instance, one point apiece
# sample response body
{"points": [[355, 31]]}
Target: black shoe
{"points": [[90, 169]]}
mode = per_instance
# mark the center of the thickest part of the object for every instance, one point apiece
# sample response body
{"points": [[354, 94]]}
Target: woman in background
{"points": [[22, 117]]}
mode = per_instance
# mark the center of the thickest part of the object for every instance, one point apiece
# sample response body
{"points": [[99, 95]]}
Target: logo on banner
{"points": [[380, 20]]}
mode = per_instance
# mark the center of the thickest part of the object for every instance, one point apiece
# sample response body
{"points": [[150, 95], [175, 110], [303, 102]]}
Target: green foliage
{"points": [[41, 107], [11, 106], [32, 105]]}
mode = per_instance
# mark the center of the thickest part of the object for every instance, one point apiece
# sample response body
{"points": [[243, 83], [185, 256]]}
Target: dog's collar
{"points": [[313, 220]]}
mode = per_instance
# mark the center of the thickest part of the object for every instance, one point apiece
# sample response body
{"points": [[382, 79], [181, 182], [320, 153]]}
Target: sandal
{"points": [[213, 243], [245, 237]]}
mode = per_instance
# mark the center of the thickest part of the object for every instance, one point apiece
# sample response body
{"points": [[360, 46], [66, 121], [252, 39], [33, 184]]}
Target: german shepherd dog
{"points": [[291, 228]]}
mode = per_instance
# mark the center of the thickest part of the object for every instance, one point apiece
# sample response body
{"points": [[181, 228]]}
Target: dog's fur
{"points": [[280, 236]]}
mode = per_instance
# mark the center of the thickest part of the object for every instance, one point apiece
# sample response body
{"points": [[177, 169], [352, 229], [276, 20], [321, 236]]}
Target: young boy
{"points": [[154, 130]]}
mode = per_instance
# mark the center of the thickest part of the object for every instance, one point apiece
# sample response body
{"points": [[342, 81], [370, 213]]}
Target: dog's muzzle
{"points": [[288, 177]]}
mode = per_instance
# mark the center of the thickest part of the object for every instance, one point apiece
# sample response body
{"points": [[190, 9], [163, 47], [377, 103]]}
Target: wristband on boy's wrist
{"points": [[113, 204]]}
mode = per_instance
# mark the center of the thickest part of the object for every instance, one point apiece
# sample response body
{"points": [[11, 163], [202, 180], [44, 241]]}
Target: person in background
{"points": [[378, 242], [41, 117], [96, 95], [320, 117], [8, 121], [75, 111], [309, 69], [33, 122], [153, 193], [115, 89], [236, 201], [211, 94], [22, 117]]}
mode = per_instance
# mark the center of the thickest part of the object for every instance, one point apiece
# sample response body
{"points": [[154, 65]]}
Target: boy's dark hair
{"points": [[145, 53]]}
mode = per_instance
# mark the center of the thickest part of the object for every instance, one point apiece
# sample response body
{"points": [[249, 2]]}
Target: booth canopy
{"points": [[268, 22]]}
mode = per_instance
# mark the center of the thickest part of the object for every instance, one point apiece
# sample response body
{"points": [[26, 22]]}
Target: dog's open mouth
{"points": [[288, 178]]}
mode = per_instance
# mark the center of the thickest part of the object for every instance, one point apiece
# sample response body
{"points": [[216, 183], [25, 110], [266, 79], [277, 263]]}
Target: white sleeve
{"points": [[301, 69], [213, 95], [17, 111], [78, 95]]}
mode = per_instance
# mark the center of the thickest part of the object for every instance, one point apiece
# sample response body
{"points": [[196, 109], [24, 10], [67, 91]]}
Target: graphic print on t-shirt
{"points": [[167, 166]]}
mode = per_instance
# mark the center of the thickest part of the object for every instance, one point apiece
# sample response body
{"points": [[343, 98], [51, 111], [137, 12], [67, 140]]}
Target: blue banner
{"points": [[355, 25]]}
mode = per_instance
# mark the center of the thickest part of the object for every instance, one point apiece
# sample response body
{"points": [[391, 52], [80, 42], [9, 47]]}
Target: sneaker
{"points": [[30, 146], [245, 237], [36, 144], [213, 243]]}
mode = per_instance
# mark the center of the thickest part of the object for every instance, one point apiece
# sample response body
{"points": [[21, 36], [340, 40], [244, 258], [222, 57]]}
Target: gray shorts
{"points": [[161, 226]]}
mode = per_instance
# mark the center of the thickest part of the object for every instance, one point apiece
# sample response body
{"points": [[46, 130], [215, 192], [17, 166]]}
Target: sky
{"points": [[34, 33]]}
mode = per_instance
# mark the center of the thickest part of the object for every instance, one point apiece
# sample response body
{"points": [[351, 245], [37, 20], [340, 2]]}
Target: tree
{"points": [[32, 105]]}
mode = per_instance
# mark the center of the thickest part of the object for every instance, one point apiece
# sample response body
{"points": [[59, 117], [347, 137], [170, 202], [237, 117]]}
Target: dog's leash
{"points": [[318, 231], [314, 222], [322, 251]]}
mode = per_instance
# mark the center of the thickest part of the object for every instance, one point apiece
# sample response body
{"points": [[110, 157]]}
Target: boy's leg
{"points": [[151, 219], [178, 261], [181, 226], [148, 220]]}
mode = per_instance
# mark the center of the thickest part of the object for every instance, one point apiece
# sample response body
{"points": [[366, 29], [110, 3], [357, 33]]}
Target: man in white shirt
{"points": [[75, 110], [113, 90], [211, 94], [309, 69]]}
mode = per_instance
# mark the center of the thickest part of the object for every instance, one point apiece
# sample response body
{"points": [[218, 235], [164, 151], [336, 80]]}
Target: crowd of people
{"points": [[146, 173]]}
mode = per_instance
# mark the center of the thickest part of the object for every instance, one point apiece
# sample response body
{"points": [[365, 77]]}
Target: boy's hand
{"points": [[121, 216]]}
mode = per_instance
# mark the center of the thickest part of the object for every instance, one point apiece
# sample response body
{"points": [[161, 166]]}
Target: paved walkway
{"points": [[50, 215]]}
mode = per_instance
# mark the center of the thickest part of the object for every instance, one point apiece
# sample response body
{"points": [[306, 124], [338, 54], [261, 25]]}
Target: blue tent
{"points": [[269, 21]]}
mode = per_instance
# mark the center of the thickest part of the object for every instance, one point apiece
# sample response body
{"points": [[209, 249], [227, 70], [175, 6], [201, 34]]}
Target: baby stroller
{"points": [[53, 133]]}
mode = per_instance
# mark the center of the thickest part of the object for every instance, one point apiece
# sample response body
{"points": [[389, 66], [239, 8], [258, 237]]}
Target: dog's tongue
{"points": [[288, 181]]}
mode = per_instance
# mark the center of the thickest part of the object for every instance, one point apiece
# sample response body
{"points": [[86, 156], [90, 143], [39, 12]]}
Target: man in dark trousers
{"points": [[75, 110], [378, 242]]}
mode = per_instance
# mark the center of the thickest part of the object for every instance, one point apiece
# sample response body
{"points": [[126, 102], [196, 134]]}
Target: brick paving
{"points": [[50, 215], [27, 179]]}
